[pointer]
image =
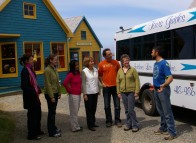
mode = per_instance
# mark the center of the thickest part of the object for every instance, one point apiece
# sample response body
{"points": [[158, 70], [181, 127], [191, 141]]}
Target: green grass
{"points": [[7, 126], [63, 90]]}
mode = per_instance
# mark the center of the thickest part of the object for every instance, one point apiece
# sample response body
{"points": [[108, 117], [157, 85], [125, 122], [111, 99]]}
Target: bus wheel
{"points": [[148, 102]]}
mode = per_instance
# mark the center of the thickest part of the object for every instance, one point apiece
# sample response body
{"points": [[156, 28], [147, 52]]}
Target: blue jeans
{"points": [[107, 92], [163, 105], [129, 104]]}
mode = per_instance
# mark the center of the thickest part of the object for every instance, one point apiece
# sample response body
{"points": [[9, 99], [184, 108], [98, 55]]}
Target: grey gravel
{"points": [[14, 105]]}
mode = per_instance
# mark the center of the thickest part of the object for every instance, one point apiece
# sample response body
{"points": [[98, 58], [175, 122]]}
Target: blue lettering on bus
{"points": [[173, 20], [148, 67], [155, 25], [184, 90], [138, 66]]}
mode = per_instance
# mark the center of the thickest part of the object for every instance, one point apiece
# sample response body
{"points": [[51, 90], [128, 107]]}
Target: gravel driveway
{"points": [[13, 104]]}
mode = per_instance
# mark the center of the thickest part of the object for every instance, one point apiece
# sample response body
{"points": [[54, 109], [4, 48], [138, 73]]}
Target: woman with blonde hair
{"points": [[90, 87]]}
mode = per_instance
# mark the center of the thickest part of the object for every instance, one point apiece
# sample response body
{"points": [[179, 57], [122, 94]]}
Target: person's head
{"points": [[26, 59], [74, 66], [88, 62], [51, 60], [124, 59], [157, 51], [107, 54]]}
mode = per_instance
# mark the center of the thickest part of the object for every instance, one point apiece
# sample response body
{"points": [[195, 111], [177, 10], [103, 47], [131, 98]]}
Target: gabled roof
{"points": [[3, 4], [74, 23], [51, 8], [59, 19]]}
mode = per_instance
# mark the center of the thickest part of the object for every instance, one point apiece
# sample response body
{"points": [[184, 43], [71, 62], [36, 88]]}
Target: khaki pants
{"points": [[74, 104]]}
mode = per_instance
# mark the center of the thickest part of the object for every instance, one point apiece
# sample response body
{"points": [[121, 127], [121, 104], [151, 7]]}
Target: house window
{"points": [[37, 51], [83, 35], [29, 10], [8, 58], [59, 50]]}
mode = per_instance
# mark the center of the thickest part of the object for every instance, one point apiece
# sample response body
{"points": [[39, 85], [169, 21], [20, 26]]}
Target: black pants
{"points": [[91, 107], [34, 121], [51, 114]]}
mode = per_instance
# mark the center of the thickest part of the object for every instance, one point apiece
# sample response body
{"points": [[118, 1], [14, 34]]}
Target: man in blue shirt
{"points": [[162, 77]]}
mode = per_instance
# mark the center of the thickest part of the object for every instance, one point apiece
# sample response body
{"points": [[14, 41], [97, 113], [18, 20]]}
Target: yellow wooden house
{"points": [[84, 41]]}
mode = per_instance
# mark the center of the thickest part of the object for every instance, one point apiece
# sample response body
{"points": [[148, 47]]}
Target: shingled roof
{"points": [[74, 22]]}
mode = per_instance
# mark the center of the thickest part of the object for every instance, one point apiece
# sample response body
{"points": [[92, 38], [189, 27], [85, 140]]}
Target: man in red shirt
{"points": [[108, 69]]}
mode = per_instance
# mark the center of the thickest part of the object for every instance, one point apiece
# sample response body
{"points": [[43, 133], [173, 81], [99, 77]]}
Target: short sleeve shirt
{"points": [[160, 72]]}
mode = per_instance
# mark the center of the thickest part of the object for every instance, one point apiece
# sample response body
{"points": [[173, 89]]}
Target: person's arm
{"points": [[118, 65], [167, 81], [59, 86], [25, 81], [83, 82], [100, 75], [118, 84], [84, 86], [48, 85], [137, 81], [66, 82], [169, 77]]}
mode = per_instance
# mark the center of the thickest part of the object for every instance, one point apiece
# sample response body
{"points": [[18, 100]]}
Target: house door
{"points": [[74, 55]]}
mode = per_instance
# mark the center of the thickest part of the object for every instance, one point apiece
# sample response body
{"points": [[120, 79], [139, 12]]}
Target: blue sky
{"points": [[106, 16]]}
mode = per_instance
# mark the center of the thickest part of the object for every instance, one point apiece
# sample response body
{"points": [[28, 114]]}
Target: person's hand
{"points": [[136, 94], [85, 97], [103, 85], [119, 95], [161, 88], [53, 100]]}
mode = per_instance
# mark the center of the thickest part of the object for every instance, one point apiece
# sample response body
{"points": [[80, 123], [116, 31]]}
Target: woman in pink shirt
{"points": [[73, 83]]}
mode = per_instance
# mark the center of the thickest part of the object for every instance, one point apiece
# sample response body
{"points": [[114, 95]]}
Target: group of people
{"points": [[118, 81]]}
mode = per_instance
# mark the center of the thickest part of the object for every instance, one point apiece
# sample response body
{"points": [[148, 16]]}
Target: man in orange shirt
{"points": [[108, 69]]}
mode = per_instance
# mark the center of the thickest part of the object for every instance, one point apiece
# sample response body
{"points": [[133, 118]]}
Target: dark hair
{"points": [[160, 49], [72, 66], [104, 51], [50, 57], [25, 58]]}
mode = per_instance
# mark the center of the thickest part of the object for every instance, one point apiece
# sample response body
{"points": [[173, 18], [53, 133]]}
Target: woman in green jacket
{"points": [[52, 93], [128, 86]]}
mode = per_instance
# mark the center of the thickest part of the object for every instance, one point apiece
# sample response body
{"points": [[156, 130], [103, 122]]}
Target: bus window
{"points": [[164, 39], [183, 43], [122, 47], [146, 51]]}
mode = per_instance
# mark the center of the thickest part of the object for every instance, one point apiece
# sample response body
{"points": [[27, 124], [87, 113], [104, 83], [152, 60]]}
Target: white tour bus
{"points": [[177, 33]]}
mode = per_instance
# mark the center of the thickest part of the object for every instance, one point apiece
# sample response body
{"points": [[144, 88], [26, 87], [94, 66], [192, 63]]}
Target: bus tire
{"points": [[148, 102]]}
